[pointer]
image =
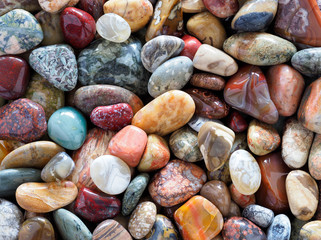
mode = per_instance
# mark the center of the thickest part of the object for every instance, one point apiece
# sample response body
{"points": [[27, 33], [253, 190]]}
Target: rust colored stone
{"points": [[208, 81]]}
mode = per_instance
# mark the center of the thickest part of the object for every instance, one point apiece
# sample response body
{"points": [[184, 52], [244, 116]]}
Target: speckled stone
{"points": [[105, 62], [111, 230], [280, 229], [314, 158], [173, 74], [158, 50], [208, 81], [184, 145], [311, 231], [57, 64], [28, 5], [259, 215], [20, 32], [163, 229], [305, 61], [133, 193], [37, 228], [10, 220]]}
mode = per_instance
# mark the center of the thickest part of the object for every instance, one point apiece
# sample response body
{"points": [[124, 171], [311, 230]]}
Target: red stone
{"points": [[113, 117], [272, 193], [93, 7], [78, 27], [96, 207], [222, 8], [236, 122], [191, 46], [240, 199], [14, 77]]}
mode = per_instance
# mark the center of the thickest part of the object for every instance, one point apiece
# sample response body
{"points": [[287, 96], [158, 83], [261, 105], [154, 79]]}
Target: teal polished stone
{"points": [[70, 226], [11, 179], [67, 127]]}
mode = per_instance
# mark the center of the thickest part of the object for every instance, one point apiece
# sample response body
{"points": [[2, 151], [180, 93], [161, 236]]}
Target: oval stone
{"points": [[280, 228], [37, 228], [311, 230], [222, 9], [111, 230], [208, 81], [163, 229], [166, 113], [176, 183], [305, 61], [240, 199], [259, 215], [10, 221], [314, 158], [193, 6]]}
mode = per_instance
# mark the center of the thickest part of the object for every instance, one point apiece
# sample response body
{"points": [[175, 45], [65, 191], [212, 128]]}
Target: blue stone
{"points": [[280, 229], [67, 127], [254, 21]]}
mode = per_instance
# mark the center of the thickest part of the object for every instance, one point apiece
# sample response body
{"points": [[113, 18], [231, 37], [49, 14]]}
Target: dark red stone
{"points": [[208, 104], [96, 207], [191, 46], [14, 77], [93, 7], [113, 117], [236, 122], [78, 27], [22, 120]]}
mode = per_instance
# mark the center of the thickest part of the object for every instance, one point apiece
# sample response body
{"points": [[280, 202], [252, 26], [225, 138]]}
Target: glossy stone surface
{"points": [[111, 230], [296, 143], [26, 113], [163, 229], [37, 228], [191, 46], [115, 172], [208, 81], [197, 122], [93, 7], [247, 91], [272, 192], [198, 218], [45, 197], [215, 142], [88, 98], [20, 32], [241, 228], [314, 158], [11, 179], [10, 221], [308, 113], [173, 74], [156, 154], [286, 86], [105, 62], [236, 122], [56, 6], [261, 49], [302, 61], [311, 230], [158, 50], [35, 155], [240, 199], [234, 210], [28, 5], [280, 228], [42, 92], [67, 127], [207, 28], [160, 117], [192, 6], [176, 182], [94, 206], [70, 226], [259, 215], [222, 9], [14, 77]]}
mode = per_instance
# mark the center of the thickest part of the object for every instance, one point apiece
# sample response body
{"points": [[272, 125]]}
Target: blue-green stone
{"points": [[68, 128]]}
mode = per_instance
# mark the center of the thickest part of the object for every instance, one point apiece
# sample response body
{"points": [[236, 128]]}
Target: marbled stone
{"points": [[191, 46], [10, 220], [193, 6], [197, 122], [70, 226], [176, 183], [19, 31], [173, 74], [93, 7], [45, 197], [208, 81], [158, 50], [303, 194], [259, 215], [222, 9], [105, 62], [57, 64], [110, 174], [6, 146], [305, 61], [215, 142], [311, 230], [286, 86], [35, 155], [207, 28], [184, 145], [240, 199], [280, 229], [199, 219], [236, 121], [37, 228], [166, 113], [111, 230], [26, 113], [28, 5], [314, 158], [261, 49], [247, 91], [56, 6], [163, 229]]}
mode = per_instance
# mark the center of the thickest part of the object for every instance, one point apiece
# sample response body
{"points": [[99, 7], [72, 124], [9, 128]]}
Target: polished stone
{"points": [[261, 216], [162, 229], [37, 228], [305, 62], [208, 81], [240, 199], [56, 6], [28, 5], [311, 230], [111, 230], [222, 9], [280, 228], [191, 46], [10, 221]]}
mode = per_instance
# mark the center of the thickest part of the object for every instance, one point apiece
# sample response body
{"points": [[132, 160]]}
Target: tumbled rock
{"points": [[10, 220], [191, 46], [208, 81], [222, 9], [305, 62], [197, 122], [193, 6], [314, 158], [280, 228], [259, 215], [29, 5], [163, 229], [241, 199], [311, 230], [56, 6], [37, 228], [112, 230], [93, 7], [236, 121]]}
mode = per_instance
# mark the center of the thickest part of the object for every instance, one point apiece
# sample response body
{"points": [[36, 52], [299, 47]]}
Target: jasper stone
{"points": [[96, 207], [222, 9], [10, 221], [286, 86], [305, 62], [166, 113], [56, 6], [105, 62], [255, 15], [236, 122], [193, 6], [311, 230], [26, 113], [70, 226], [208, 81], [259, 215], [57, 64], [20, 32], [261, 49], [45, 197], [296, 143], [28, 5], [207, 28], [93, 7], [175, 183], [211, 59], [37, 228], [280, 228], [247, 91], [191, 46], [240, 199], [88, 98], [314, 158], [208, 104], [241, 228], [111, 230], [163, 229], [158, 50], [14, 77], [171, 75]]}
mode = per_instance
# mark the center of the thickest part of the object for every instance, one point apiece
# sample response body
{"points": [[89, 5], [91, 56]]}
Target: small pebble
{"points": [[280, 229]]}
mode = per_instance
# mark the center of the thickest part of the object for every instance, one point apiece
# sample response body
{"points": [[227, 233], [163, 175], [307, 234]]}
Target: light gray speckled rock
{"points": [[307, 62], [259, 215], [280, 229]]}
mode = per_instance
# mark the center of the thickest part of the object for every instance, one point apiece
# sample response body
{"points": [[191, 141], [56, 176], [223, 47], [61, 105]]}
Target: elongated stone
{"points": [[280, 228], [305, 62], [261, 216], [37, 228], [10, 220], [208, 81]]}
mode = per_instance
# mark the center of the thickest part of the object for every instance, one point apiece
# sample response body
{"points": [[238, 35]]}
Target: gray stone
{"points": [[280, 229], [307, 62], [259, 215], [197, 122]]}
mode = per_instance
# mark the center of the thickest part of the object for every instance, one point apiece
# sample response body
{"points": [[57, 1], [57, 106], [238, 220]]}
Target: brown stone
{"points": [[315, 158], [37, 228], [111, 230], [208, 81]]}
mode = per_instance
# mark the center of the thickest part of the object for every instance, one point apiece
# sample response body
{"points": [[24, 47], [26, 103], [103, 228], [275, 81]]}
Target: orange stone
{"points": [[199, 219]]}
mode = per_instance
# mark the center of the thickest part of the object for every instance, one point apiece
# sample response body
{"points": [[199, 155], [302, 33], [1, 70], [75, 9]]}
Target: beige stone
{"points": [[193, 6]]}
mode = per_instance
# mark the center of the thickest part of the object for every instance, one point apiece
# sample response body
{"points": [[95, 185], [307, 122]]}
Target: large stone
{"points": [[10, 220], [37, 228], [311, 230]]}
